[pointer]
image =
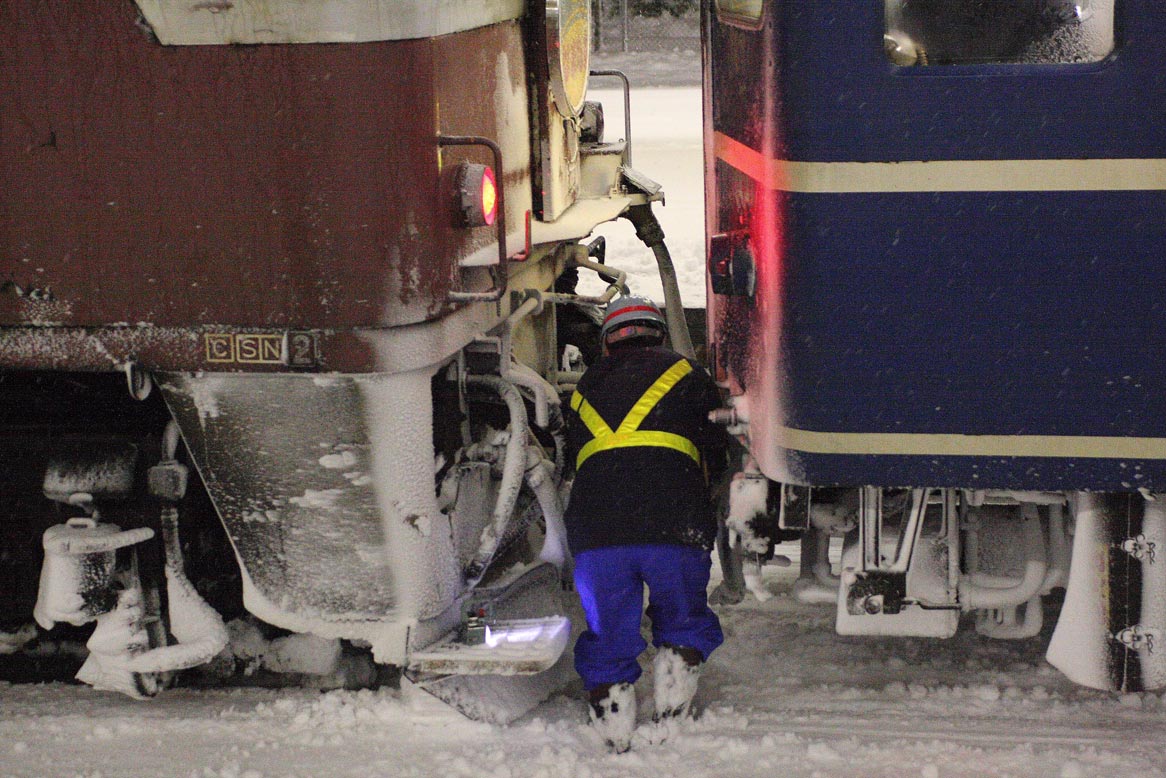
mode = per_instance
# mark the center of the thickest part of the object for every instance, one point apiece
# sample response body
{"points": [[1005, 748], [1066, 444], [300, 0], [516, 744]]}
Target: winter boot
{"points": [[613, 714], [676, 670]]}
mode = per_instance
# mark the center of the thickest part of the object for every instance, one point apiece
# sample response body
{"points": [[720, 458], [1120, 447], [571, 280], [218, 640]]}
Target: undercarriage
{"points": [[928, 562]]}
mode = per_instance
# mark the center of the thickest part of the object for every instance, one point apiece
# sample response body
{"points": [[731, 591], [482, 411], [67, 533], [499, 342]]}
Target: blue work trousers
{"points": [[611, 581]]}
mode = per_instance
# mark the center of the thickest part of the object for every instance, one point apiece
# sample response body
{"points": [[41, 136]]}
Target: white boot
{"points": [[613, 715], [676, 671]]}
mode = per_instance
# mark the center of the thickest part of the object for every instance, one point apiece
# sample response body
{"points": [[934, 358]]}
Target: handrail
{"points": [[498, 277], [627, 109]]}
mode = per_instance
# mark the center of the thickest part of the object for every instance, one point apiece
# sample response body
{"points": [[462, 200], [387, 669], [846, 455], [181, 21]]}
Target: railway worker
{"points": [[639, 514]]}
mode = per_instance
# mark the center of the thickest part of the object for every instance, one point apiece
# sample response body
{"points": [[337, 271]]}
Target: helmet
{"points": [[632, 317]]}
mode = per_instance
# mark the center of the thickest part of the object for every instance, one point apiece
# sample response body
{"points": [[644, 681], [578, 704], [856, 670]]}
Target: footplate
{"points": [[511, 647]]}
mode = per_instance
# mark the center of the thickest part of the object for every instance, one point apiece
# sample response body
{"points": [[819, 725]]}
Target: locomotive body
{"points": [[326, 235], [932, 281]]}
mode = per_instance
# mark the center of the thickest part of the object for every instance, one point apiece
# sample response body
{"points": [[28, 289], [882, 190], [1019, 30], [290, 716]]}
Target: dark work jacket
{"points": [[643, 494]]}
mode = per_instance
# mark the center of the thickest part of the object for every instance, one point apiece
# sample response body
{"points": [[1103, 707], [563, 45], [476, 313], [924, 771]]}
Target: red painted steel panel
{"points": [[291, 186]]}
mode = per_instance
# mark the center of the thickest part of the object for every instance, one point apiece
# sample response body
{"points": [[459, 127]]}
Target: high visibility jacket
{"points": [[639, 437], [628, 434]]}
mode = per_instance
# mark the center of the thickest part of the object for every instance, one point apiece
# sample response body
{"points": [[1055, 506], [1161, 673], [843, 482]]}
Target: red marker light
{"points": [[489, 197], [477, 194]]}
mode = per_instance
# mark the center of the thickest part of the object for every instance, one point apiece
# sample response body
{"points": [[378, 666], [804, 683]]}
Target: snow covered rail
{"points": [[992, 733]]}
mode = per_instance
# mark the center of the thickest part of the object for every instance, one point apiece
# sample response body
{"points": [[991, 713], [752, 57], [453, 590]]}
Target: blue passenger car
{"points": [[935, 269]]}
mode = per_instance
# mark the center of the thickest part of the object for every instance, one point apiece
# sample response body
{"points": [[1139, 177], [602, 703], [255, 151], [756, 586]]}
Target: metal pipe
{"points": [[544, 394], [953, 512], [540, 478], [597, 28], [823, 574], [566, 381], [580, 259], [649, 231], [197, 627], [1058, 573], [974, 594], [1006, 624], [548, 411], [1058, 559], [513, 465]]}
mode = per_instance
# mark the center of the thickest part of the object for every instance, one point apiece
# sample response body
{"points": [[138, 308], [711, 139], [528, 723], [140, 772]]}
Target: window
{"points": [[962, 32], [747, 12]]}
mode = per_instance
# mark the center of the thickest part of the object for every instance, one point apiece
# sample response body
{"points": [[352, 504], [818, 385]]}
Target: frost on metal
{"points": [[1079, 647], [198, 628], [285, 460], [203, 22], [399, 415], [98, 470], [119, 637]]}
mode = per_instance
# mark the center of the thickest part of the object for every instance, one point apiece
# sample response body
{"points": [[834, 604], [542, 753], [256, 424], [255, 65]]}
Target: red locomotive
{"points": [[320, 241]]}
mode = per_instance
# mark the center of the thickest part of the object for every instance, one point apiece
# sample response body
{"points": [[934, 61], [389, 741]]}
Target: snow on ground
{"points": [[678, 66], [666, 146], [784, 696]]}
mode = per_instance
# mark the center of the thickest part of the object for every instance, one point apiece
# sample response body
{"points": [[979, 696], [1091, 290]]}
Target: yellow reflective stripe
{"points": [[926, 444], [657, 390], [629, 433], [592, 419], [638, 438], [943, 175]]}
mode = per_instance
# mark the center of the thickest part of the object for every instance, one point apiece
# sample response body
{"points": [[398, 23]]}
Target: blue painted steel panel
{"points": [[1022, 473], [846, 102], [999, 313], [977, 313]]}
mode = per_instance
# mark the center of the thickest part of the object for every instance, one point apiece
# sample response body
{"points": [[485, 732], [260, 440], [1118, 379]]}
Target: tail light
{"points": [[477, 193]]}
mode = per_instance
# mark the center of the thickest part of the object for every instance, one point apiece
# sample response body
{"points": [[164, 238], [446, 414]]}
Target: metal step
{"points": [[520, 646], [511, 647]]}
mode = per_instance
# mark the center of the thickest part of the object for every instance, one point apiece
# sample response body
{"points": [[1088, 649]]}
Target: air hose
{"points": [[648, 230]]}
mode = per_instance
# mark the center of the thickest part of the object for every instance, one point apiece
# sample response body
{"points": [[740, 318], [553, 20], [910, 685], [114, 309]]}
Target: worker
{"points": [[639, 514]]}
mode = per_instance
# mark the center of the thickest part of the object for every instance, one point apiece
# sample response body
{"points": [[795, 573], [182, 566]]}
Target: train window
{"points": [[744, 12], [962, 32]]}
